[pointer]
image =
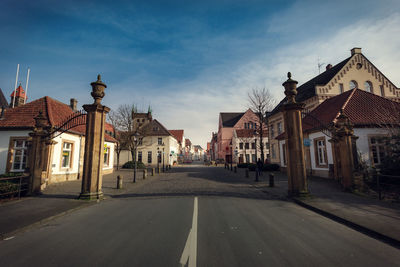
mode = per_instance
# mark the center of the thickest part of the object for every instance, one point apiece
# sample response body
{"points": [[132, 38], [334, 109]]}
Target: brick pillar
{"points": [[343, 140], [94, 144], [36, 153], [296, 167]]}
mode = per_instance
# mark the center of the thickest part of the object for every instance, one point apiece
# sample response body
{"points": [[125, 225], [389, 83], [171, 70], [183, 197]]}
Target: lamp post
{"points": [[255, 146], [158, 159], [231, 156], [135, 141], [163, 166]]}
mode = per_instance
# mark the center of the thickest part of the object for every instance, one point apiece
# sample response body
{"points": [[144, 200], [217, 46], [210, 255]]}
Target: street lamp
{"points": [[135, 141], [255, 146], [163, 166], [158, 159], [231, 155]]}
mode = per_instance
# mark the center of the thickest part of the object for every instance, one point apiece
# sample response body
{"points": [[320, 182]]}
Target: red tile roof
{"points": [[19, 92], [178, 134], [362, 108], [22, 117]]}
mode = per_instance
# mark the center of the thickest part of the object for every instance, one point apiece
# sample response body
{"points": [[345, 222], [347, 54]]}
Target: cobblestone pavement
{"points": [[200, 180]]}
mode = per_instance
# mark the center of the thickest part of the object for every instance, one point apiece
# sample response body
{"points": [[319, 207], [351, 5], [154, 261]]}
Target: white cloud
{"points": [[194, 106]]}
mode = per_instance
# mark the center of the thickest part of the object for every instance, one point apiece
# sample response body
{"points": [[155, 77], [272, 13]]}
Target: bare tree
{"points": [[261, 102]]}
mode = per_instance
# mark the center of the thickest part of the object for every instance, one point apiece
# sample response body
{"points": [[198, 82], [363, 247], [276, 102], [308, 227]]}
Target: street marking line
{"points": [[190, 251]]}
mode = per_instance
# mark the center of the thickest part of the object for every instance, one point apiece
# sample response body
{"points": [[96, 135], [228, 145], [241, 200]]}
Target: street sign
{"points": [[307, 142]]}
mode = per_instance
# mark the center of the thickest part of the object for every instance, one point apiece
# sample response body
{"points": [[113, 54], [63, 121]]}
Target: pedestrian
{"points": [[259, 167]]}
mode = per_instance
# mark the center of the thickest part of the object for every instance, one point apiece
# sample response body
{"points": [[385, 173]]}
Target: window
{"points": [[279, 126], [246, 146], [368, 86], [149, 155], [240, 145], [320, 152], [246, 126], [106, 155], [155, 129], [253, 145], [353, 84], [19, 155], [273, 152], [255, 125], [66, 155], [341, 88], [139, 156], [247, 158], [272, 130], [377, 150], [160, 140], [382, 90], [159, 157], [140, 141], [251, 125], [284, 154], [241, 158], [138, 120], [253, 158]]}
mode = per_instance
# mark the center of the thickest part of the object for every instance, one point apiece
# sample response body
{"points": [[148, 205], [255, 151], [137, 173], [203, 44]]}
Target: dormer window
{"points": [[368, 86], [353, 84]]}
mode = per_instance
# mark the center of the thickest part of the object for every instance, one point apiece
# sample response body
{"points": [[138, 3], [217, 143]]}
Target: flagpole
{"points": [[15, 88], [26, 88]]}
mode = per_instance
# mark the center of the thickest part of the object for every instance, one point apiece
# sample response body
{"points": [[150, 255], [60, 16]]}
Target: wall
{"points": [[4, 145], [324, 172]]}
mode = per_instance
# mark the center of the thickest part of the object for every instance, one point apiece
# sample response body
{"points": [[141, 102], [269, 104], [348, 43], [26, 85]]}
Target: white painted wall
{"points": [[111, 160], [281, 143], [362, 141], [4, 143], [328, 150], [56, 164]]}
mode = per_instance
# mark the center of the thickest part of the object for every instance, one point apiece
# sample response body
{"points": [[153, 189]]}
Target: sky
{"points": [[189, 60]]}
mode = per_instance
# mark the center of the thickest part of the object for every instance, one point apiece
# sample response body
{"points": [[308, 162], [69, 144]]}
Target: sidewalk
{"points": [[371, 216], [57, 200]]}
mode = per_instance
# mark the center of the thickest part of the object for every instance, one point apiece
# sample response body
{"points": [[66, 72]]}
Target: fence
{"points": [[386, 186], [16, 186]]}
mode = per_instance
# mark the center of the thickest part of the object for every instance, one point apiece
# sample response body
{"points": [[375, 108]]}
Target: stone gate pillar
{"points": [[296, 167], [343, 140], [36, 160], [94, 144]]}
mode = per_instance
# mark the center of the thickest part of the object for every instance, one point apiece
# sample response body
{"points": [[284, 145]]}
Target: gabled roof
{"points": [[178, 134], [362, 108], [229, 119], [3, 100], [307, 90], [187, 142], [19, 92], [22, 117], [154, 128]]}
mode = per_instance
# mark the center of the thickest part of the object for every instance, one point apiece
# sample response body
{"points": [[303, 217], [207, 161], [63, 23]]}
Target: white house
{"points": [[64, 158], [372, 116], [246, 145]]}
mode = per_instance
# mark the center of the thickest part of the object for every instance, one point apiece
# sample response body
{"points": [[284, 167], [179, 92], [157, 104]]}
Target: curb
{"points": [[42, 222], [371, 233]]}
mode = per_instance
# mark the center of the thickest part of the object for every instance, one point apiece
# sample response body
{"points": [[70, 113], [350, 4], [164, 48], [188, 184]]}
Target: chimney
{"points": [[329, 66], [73, 103], [355, 50]]}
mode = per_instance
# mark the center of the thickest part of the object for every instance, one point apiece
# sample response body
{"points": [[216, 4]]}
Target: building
{"points": [[3, 102], [228, 122], [214, 146], [247, 147], [179, 136], [64, 157], [372, 116], [198, 152], [355, 71]]}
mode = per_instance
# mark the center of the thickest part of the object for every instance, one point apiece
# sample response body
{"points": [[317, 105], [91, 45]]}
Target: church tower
{"points": [[19, 95]]}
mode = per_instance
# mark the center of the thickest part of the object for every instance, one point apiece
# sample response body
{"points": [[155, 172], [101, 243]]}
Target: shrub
{"points": [[131, 165]]}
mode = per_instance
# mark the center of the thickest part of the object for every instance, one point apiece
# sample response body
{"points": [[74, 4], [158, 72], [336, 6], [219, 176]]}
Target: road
{"points": [[233, 224]]}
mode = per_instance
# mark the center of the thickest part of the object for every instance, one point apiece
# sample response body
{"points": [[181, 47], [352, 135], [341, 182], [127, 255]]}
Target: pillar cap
{"points": [[290, 89], [98, 89]]}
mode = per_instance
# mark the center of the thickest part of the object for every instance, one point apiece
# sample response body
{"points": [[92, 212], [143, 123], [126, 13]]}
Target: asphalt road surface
{"points": [[195, 216]]}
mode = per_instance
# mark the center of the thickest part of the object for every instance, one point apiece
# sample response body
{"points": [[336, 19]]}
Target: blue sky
{"points": [[189, 59]]}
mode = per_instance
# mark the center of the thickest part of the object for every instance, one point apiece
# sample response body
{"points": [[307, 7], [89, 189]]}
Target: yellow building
{"points": [[355, 71]]}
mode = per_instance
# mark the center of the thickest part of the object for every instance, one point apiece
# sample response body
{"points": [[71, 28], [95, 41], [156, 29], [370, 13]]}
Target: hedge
{"points": [[131, 165]]}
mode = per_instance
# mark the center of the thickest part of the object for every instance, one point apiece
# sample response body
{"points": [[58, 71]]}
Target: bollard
{"points": [[247, 173], [152, 171], [231, 168], [144, 174], [119, 182], [271, 180], [235, 169]]}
